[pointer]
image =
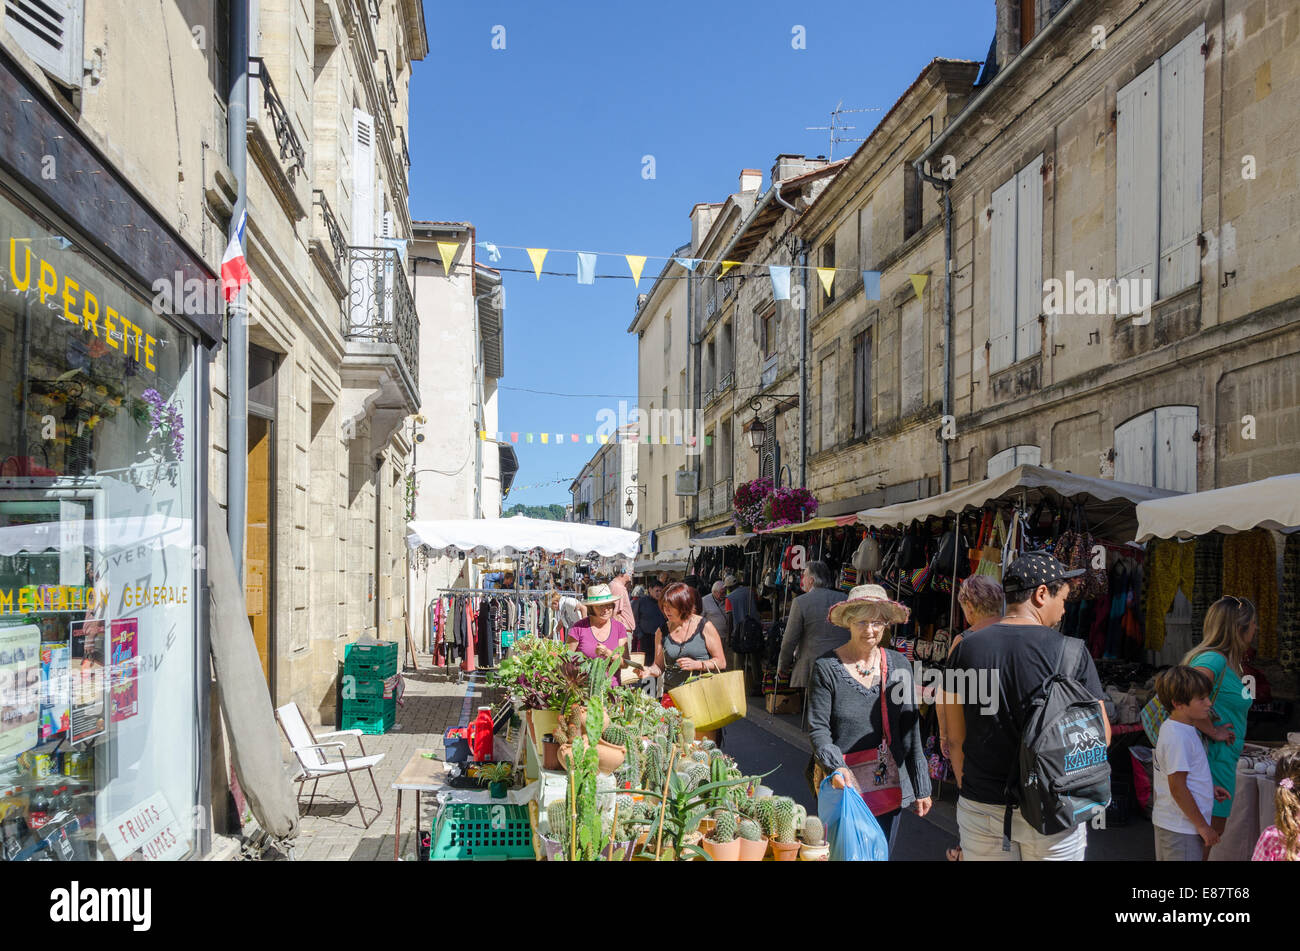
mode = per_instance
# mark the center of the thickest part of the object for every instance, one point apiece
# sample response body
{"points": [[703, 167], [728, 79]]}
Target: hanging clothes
{"points": [[1288, 628], [1250, 571], [1208, 585], [1172, 566]]}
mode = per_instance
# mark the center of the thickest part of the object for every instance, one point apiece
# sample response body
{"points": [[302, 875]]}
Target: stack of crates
{"points": [[368, 703]]}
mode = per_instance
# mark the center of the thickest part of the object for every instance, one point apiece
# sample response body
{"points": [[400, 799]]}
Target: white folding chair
{"points": [[313, 764]]}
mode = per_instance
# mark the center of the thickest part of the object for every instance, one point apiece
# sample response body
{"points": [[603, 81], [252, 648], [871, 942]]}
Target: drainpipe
{"points": [[801, 250], [237, 328], [944, 186]]}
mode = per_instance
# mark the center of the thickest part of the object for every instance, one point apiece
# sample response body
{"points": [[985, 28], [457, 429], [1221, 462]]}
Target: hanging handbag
{"points": [[952, 547], [867, 557], [991, 555], [875, 770]]}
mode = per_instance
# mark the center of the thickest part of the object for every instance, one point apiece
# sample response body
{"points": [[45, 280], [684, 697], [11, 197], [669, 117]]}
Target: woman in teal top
{"points": [[1230, 627]]}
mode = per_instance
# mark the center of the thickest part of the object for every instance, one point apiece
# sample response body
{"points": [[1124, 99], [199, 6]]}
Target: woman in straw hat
{"points": [[862, 717], [599, 634]]}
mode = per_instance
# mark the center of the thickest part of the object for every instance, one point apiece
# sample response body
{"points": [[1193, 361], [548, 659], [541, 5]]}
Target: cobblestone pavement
{"points": [[333, 830]]}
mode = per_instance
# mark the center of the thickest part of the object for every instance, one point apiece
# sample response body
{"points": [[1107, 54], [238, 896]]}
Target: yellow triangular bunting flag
{"points": [[538, 255], [727, 266], [636, 262], [448, 251], [546, 437], [918, 283], [827, 275]]}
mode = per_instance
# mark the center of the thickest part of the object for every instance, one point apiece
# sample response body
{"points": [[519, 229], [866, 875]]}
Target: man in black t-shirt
{"points": [[991, 673], [649, 618]]}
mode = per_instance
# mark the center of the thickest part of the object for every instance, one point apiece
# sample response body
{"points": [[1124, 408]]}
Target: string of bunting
{"points": [[586, 268], [563, 439]]}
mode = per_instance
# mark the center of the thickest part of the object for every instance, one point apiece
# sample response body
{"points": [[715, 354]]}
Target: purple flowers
{"points": [[165, 421], [758, 505]]}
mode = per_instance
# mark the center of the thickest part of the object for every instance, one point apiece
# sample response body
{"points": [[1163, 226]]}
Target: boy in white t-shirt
{"points": [[1184, 791]]}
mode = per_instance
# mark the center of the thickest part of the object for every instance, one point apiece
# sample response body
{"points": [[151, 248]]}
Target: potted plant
{"points": [[785, 847], [531, 672], [680, 806], [753, 844], [815, 848], [612, 749], [497, 777], [722, 844]]}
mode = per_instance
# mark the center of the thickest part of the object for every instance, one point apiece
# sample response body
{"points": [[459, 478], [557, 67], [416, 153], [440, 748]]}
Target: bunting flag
{"points": [[494, 254], [871, 285], [482, 434], [559, 437], [586, 267], [780, 281], [604, 439], [589, 438], [528, 437], [514, 437], [573, 437], [727, 266], [636, 262], [688, 263], [448, 251], [545, 437], [538, 255], [827, 275], [918, 283]]}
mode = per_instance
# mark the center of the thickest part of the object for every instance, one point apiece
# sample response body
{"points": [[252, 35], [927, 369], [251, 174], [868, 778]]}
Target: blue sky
{"points": [[540, 144]]}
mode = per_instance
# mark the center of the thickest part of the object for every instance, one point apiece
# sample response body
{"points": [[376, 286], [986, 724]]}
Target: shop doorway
{"points": [[259, 532]]}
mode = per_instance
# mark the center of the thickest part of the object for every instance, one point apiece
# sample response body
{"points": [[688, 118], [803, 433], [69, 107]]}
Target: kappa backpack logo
{"points": [[1062, 775]]}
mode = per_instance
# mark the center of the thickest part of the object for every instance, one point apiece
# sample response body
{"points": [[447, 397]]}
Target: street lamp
{"points": [[756, 431], [628, 506]]}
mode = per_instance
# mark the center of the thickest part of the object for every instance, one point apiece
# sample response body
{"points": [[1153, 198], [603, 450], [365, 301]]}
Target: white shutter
{"points": [[1137, 191], [912, 357], [1182, 107], [1001, 463], [50, 32], [1029, 257], [1134, 450], [363, 178], [1002, 277], [1175, 448], [866, 239], [1029, 455]]}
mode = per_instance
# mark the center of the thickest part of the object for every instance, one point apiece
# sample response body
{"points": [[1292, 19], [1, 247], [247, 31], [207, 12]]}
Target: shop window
{"points": [[98, 550]]}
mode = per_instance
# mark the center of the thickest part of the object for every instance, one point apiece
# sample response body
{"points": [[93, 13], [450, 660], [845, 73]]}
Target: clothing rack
{"points": [[511, 592]]}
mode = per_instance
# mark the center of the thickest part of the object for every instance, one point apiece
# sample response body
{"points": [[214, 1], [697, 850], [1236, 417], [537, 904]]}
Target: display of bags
{"points": [[867, 556], [991, 555], [1074, 550]]}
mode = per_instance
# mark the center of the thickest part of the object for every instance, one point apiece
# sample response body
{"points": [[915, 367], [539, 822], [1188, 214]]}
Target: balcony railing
{"points": [[338, 244], [716, 500], [380, 306], [726, 382], [291, 148], [406, 155], [388, 78]]}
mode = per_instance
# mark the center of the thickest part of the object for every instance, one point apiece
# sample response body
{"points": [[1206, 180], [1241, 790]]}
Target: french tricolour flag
{"points": [[234, 269]]}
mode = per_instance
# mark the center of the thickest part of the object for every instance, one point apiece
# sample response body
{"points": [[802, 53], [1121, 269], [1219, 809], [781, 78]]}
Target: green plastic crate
{"points": [[369, 714], [482, 831], [363, 685], [372, 661], [369, 725]]}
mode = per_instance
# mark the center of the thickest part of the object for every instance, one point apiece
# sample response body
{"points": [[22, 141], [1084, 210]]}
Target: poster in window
{"points": [[20, 688], [124, 692], [86, 719], [54, 689]]}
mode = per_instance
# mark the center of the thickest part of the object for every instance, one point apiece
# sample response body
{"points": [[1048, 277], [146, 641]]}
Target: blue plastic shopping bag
{"points": [[852, 831]]}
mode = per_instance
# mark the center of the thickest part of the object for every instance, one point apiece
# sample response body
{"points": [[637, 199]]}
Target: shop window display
{"points": [[98, 559]]}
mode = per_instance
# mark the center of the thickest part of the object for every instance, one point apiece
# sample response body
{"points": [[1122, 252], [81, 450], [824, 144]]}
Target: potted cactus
{"points": [[753, 844], [612, 749], [722, 844], [815, 848], [785, 847], [555, 841]]}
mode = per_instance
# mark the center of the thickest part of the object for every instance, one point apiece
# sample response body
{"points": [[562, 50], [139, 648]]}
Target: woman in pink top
{"points": [[599, 634]]}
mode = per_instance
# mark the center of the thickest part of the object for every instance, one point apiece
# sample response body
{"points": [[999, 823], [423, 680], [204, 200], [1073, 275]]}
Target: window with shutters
{"points": [[663, 514], [828, 402], [50, 32], [827, 260], [1016, 267], [726, 355], [1003, 462], [911, 369], [862, 384], [866, 239], [767, 331], [363, 179], [1157, 449], [1159, 138]]}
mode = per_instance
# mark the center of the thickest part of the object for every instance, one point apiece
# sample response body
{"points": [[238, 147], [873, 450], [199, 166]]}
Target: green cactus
{"points": [[783, 819], [615, 734], [814, 834], [724, 828], [749, 830], [697, 774], [765, 814], [688, 732], [557, 817], [800, 817], [699, 756], [656, 761], [739, 799]]}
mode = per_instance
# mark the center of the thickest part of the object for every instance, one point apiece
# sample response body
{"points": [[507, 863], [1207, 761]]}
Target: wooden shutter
{"points": [[1029, 257], [1137, 190], [50, 32], [1001, 463], [363, 178], [1182, 108], [1175, 450], [1135, 450], [912, 362], [828, 402], [866, 246], [1002, 278]]}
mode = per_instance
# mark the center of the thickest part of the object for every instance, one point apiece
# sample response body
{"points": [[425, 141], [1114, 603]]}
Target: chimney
{"points": [[751, 179], [788, 165], [702, 216]]}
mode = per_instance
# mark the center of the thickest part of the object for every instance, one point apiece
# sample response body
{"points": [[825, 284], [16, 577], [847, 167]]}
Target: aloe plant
{"points": [[679, 812]]}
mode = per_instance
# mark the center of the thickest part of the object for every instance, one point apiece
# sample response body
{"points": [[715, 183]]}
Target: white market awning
{"points": [[1107, 500], [719, 541], [511, 536], [1269, 503]]}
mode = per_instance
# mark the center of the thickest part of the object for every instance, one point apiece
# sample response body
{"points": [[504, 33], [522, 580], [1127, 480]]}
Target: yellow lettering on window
{"points": [[7, 602], [149, 341], [90, 313], [47, 287], [109, 314], [21, 284], [70, 288]]}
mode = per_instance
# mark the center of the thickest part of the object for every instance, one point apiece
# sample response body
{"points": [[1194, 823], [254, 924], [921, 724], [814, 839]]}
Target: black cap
{"points": [[1029, 571]]}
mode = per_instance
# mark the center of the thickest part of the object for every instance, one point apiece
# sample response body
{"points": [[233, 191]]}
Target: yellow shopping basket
{"points": [[713, 700]]}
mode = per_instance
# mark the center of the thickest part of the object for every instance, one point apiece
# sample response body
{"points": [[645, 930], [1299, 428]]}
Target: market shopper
{"points": [[809, 633], [1231, 624], [862, 717], [687, 644], [618, 585], [715, 611], [1280, 842], [1002, 667], [600, 634], [742, 606], [649, 618]]}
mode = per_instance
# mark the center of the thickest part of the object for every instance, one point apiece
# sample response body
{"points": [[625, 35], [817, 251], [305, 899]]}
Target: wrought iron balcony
{"points": [[406, 155], [380, 308], [291, 147], [716, 500], [338, 244], [388, 79], [727, 381]]}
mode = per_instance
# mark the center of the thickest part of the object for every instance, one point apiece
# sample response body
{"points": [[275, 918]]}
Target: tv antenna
{"points": [[836, 127]]}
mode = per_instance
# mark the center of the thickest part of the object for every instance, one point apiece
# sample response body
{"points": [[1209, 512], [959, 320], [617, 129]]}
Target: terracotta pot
{"points": [[551, 754], [814, 853], [785, 851], [723, 851], [575, 724], [752, 851], [707, 826], [611, 757]]}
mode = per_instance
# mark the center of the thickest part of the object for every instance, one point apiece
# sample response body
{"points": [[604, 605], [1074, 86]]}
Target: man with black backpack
{"points": [[1032, 766]]}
